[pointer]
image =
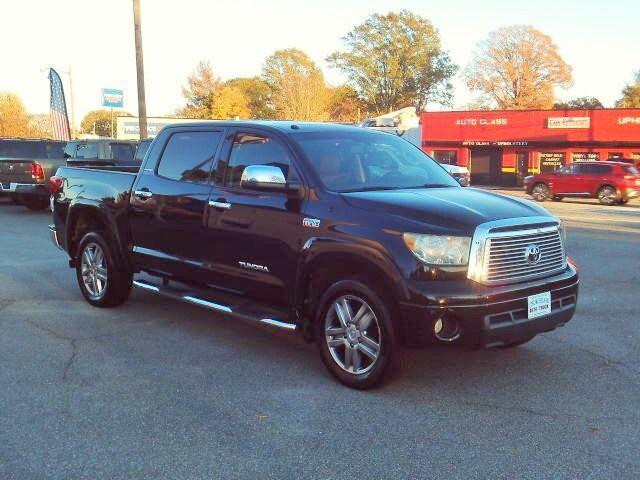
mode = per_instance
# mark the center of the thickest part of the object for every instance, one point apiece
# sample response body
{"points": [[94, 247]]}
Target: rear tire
{"points": [[36, 204], [356, 337], [103, 280], [607, 195], [540, 192]]}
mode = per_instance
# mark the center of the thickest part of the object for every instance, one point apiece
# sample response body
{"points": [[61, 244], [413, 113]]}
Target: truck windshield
{"points": [[356, 161]]}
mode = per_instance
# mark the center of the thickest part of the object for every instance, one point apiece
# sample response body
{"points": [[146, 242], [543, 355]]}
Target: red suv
{"points": [[609, 182]]}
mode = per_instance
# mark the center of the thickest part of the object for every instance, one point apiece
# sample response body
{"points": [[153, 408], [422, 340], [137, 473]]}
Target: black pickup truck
{"points": [[354, 238]]}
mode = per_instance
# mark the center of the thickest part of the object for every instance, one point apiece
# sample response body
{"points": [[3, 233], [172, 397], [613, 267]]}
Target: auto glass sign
{"points": [[568, 122], [112, 97]]}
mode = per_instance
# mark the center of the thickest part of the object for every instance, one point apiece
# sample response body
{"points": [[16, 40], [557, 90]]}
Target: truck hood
{"points": [[450, 208]]}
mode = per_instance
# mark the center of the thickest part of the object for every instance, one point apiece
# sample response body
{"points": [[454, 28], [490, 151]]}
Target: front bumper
{"points": [[489, 316], [631, 193]]}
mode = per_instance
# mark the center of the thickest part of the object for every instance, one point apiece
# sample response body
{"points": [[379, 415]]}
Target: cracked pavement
{"points": [[160, 389]]}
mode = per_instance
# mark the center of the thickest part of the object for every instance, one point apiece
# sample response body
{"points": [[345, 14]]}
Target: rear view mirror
{"points": [[263, 177]]}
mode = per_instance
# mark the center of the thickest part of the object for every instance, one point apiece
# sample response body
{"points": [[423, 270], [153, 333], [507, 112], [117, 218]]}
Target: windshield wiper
{"points": [[369, 189], [435, 185]]}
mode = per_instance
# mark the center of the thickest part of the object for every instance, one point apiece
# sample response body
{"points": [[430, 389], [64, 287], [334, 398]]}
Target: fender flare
{"points": [[318, 251], [81, 205]]}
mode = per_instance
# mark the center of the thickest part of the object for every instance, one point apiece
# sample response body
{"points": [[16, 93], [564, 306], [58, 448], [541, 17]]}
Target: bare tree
{"points": [[518, 67]]}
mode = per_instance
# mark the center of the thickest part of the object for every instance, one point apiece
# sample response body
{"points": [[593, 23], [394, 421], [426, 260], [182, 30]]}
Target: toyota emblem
{"points": [[532, 254]]}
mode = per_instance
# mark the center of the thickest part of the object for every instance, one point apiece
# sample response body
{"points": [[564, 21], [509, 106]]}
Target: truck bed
{"points": [[109, 184]]}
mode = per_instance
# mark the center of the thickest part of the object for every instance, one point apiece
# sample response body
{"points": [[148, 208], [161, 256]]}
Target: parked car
{"points": [[609, 182], [25, 168], [101, 152], [354, 238]]}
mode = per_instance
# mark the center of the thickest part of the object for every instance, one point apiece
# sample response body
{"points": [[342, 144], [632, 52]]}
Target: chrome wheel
{"points": [[353, 334], [540, 192], [607, 196], [94, 270]]}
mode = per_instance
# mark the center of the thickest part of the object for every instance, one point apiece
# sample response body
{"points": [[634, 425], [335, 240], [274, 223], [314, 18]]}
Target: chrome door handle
{"points": [[143, 194], [220, 205]]}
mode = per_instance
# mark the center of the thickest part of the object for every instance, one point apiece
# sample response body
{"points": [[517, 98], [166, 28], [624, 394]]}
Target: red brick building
{"points": [[501, 147]]}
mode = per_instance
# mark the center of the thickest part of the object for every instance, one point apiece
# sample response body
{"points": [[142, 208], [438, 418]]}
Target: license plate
{"points": [[539, 305]]}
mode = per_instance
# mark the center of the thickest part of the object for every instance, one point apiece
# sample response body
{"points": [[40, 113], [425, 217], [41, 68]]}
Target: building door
{"points": [[522, 167], [485, 166]]}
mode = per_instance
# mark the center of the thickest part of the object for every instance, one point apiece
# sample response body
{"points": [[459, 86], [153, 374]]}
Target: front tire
{"points": [[540, 192], [608, 195], [103, 281], [356, 337]]}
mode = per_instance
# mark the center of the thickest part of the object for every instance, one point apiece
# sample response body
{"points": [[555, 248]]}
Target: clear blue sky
{"points": [[599, 39]]}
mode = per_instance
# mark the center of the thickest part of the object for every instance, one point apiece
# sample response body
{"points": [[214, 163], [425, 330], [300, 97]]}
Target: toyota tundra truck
{"points": [[353, 238]]}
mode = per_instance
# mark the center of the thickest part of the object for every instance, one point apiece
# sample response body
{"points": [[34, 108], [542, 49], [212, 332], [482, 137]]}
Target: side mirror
{"points": [[263, 177]]}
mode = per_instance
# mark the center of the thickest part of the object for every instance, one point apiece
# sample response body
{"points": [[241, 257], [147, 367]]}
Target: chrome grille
{"points": [[506, 257]]}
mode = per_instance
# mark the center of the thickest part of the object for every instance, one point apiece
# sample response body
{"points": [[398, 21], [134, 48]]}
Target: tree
{"points": [[298, 89], [345, 106], [518, 67], [395, 61], [582, 103], [14, 119], [201, 86], [228, 103], [40, 125], [258, 93], [99, 121], [631, 95]]}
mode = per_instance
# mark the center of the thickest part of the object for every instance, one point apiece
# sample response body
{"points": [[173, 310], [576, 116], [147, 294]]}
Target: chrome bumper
{"points": [[54, 236]]}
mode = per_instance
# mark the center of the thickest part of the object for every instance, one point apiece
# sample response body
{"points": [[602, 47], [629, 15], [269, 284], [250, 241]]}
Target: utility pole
{"points": [[73, 104], [142, 106]]}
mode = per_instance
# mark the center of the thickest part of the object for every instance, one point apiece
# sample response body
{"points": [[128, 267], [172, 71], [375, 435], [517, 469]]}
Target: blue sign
{"points": [[112, 97]]}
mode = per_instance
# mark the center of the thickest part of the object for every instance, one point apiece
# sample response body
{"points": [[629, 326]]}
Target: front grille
{"points": [[507, 260]]}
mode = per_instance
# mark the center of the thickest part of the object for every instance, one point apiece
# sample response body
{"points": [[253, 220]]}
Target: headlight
{"points": [[438, 249]]}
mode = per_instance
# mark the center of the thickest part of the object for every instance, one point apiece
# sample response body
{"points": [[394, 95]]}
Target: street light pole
{"points": [[73, 103], [142, 107]]}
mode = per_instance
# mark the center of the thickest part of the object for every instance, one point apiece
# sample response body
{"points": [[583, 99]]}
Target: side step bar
{"points": [[266, 317]]}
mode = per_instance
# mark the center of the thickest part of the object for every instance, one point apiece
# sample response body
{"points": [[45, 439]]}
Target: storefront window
{"points": [[586, 156], [615, 154], [550, 161], [449, 157]]}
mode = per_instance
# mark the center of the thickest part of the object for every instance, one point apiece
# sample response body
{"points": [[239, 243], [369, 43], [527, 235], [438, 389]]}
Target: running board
{"points": [[236, 307]]}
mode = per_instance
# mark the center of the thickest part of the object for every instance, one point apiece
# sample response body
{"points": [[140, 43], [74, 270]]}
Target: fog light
{"points": [[446, 329]]}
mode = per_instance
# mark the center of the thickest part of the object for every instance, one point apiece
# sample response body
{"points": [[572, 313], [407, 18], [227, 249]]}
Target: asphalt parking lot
{"points": [[159, 389]]}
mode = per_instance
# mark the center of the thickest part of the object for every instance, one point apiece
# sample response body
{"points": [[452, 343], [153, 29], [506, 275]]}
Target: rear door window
{"points": [[122, 153], [70, 150], [188, 156], [87, 150]]}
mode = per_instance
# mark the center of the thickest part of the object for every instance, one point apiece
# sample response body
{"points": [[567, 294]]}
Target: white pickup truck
{"points": [[406, 124]]}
